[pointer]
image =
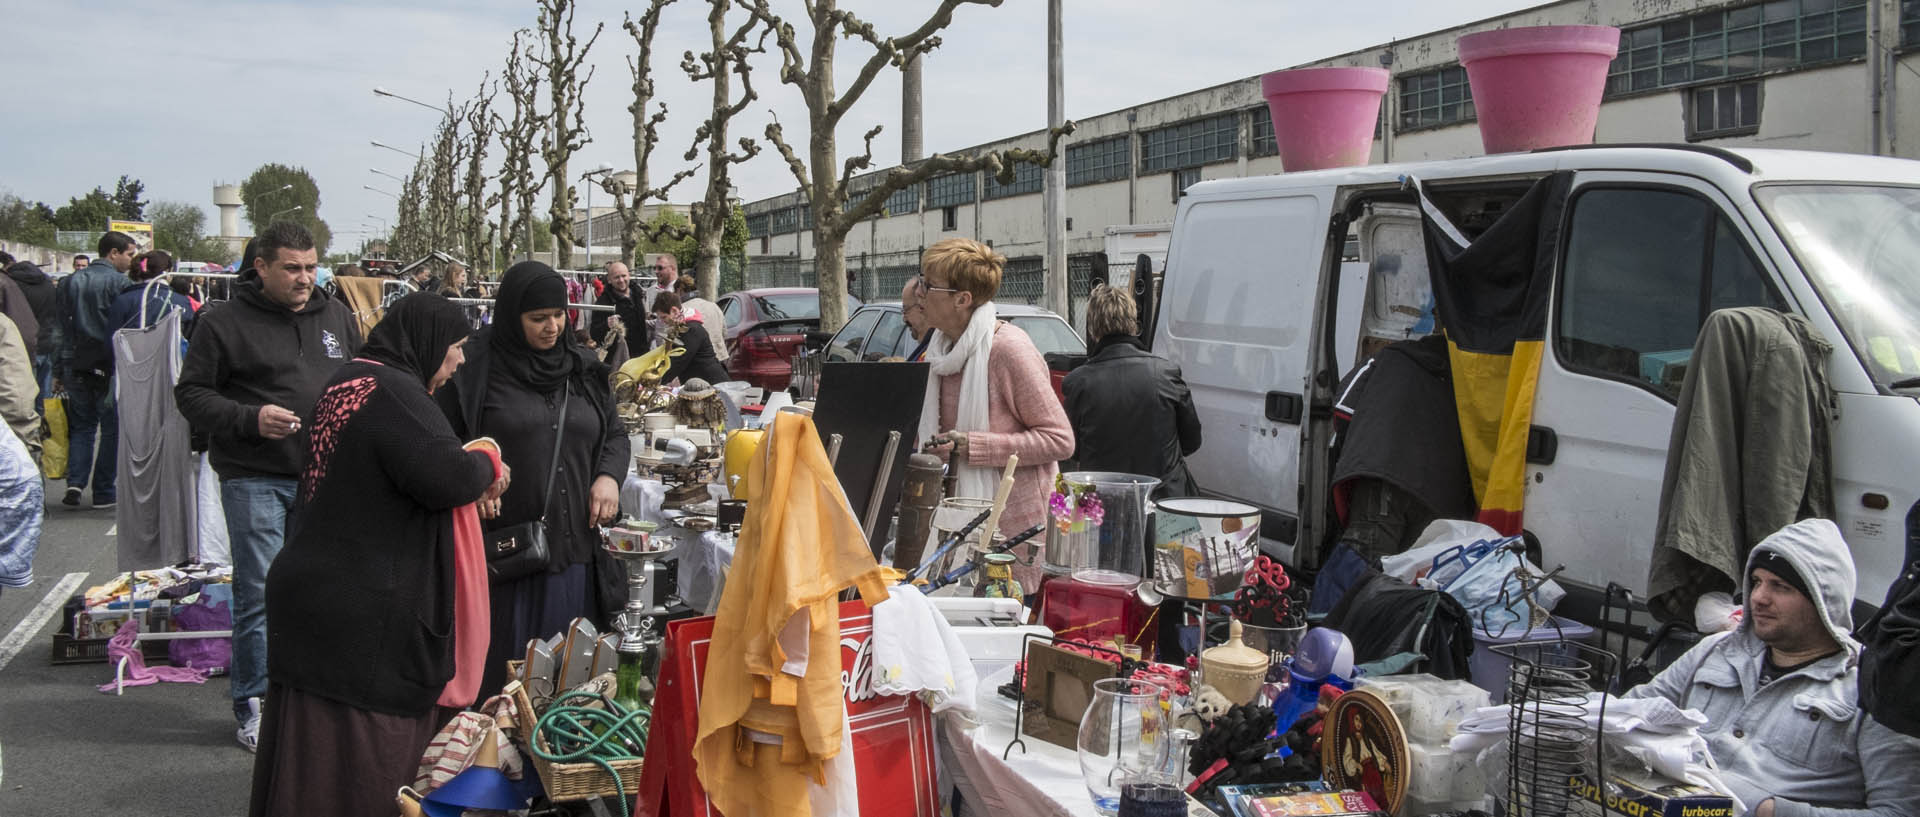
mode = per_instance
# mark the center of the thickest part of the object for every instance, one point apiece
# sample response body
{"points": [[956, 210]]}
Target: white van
{"points": [[1264, 318]]}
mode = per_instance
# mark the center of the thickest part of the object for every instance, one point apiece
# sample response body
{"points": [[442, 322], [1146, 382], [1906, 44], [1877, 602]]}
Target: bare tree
{"points": [[811, 71], [566, 130], [727, 59], [442, 191], [475, 234], [518, 138], [629, 199], [410, 230]]}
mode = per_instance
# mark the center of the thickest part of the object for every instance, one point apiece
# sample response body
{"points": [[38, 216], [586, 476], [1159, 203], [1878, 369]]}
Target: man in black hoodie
{"points": [[254, 368], [39, 289]]}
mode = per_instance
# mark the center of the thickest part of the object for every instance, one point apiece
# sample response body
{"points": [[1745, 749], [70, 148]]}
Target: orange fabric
{"points": [[799, 547], [472, 621]]}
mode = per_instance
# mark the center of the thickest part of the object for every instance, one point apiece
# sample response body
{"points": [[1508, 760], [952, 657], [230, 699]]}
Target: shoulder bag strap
{"points": [[560, 432]]}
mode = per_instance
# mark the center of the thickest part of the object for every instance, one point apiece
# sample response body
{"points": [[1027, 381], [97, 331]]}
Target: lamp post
{"points": [[395, 196], [381, 219], [294, 209], [380, 91], [415, 155], [599, 170], [386, 174]]}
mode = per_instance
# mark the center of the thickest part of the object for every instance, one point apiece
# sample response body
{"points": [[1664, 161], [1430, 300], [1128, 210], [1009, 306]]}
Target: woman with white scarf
{"points": [[990, 395]]}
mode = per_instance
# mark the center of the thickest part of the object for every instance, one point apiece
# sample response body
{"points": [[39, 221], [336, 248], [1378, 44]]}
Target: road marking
{"points": [[113, 530], [36, 618]]}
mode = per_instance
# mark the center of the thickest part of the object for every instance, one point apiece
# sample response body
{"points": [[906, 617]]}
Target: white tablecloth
{"points": [[1043, 781]]}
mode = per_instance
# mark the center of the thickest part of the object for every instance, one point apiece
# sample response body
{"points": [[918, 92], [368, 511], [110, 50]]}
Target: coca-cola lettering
{"points": [[856, 676]]}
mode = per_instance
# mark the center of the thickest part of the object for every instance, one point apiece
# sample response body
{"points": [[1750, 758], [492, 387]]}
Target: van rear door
{"points": [[1236, 311]]}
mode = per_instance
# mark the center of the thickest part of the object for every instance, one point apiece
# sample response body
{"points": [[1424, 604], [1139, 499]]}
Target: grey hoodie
{"points": [[1802, 740]]}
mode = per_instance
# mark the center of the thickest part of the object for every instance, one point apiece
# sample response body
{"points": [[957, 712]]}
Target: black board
{"points": [[862, 402]]}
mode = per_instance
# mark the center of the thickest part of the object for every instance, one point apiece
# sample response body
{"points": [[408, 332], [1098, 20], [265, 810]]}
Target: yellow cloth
{"points": [[799, 547]]}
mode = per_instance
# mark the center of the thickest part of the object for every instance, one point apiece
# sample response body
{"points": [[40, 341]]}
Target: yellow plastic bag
{"points": [[53, 453]]}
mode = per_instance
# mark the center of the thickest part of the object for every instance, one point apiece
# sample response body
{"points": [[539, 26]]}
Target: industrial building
{"points": [[1834, 75]]}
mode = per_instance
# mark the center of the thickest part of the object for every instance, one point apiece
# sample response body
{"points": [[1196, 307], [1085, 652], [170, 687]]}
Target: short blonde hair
{"points": [[1111, 311], [968, 265]]}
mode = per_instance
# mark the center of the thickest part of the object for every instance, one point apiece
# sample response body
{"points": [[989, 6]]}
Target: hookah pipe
{"points": [[961, 572]]}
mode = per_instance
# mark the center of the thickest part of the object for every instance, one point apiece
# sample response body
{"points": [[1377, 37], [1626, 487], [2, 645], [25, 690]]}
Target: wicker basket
{"points": [[573, 782]]}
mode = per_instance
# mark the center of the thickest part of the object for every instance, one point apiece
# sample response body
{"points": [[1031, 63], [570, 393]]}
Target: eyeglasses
{"points": [[926, 287], [659, 267]]}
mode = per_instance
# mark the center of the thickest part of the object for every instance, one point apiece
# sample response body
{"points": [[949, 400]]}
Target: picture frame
{"points": [[1056, 691]]}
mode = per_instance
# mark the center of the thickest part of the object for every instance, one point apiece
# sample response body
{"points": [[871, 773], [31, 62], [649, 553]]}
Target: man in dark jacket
{"points": [[1131, 410], [684, 329], [628, 305], [39, 289], [83, 363], [254, 368]]}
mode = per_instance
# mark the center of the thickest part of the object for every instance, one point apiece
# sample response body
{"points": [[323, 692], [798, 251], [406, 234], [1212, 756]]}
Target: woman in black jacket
{"points": [[1131, 411], [519, 373], [684, 329], [361, 601]]}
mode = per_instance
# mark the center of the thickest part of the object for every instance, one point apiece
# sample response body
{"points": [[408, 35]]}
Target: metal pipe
{"points": [[880, 482]]}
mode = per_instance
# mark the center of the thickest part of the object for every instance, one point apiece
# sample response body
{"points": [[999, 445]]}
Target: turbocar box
{"points": [[1640, 797]]}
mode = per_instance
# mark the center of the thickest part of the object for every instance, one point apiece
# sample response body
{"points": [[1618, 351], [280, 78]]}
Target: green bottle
{"points": [[633, 687]]}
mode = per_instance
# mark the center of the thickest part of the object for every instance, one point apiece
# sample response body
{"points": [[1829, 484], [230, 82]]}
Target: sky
{"points": [[186, 94]]}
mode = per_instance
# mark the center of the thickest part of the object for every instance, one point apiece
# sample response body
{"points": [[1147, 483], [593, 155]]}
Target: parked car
{"points": [[765, 327], [1265, 321], [877, 332]]}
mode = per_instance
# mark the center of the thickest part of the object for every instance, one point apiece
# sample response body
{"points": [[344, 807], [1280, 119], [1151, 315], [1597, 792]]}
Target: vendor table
{"points": [[1042, 781]]}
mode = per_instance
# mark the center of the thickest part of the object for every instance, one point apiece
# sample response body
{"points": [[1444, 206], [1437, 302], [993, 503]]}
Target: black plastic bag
{"points": [[1383, 616]]}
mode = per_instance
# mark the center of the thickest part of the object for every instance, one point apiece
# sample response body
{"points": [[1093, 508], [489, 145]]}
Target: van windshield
{"points": [[1861, 246]]}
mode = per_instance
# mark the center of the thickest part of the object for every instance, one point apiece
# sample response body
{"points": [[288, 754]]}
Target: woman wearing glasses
{"points": [[991, 396]]}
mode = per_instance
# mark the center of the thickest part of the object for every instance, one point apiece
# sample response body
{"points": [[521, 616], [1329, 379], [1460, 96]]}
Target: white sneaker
{"points": [[249, 733]]}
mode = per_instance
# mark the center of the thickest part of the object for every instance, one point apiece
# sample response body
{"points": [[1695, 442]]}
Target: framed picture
{"points": [[1059, 686]]}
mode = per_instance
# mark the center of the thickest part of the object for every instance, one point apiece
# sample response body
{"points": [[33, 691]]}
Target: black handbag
{"points": [[518, 551]]}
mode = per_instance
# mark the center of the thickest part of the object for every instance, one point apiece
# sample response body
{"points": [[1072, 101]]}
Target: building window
{"points": [[1191, 144], [1263, 143], [905, 200], [1096, 162], [1027, 178], [1724, 110], [783, 220], [766, 244], [1429, 99], [1910, 22], [1740, 41], [757, 225], [1183, 179], [806, 215], [950, 218], [950, 190]]}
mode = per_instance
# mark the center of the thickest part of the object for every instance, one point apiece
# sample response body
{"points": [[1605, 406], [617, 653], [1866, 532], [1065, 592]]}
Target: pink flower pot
{"points": [[1538, 87], [1324, 117]]}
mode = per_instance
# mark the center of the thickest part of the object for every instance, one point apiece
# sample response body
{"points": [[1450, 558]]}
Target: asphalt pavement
{"points": [[66, 748]]}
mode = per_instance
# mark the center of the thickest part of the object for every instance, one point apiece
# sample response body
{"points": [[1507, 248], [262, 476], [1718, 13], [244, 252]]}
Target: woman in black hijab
{"points": [[361, 602], [520, 372]]}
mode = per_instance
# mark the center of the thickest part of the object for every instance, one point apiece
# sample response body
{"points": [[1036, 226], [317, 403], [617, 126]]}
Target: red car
{"points": [[765, 327]]}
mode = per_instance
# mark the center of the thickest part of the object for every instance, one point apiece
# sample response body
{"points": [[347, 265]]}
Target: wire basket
{"points": [[1548, 736]]}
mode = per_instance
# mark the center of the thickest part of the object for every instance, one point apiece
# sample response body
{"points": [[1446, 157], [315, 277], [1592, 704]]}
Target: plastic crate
{"points": [[1489, 670], [70, 650]]}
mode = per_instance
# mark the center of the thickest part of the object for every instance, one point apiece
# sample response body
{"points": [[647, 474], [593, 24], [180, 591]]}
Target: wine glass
{"points": [[1123, 733]]}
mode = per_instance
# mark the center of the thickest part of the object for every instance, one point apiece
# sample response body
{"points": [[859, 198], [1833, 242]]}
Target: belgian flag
{"points": [[1491, 294]]}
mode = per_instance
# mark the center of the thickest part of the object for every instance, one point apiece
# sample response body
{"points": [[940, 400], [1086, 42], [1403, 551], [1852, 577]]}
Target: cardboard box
{"points": [[1640, 797]]}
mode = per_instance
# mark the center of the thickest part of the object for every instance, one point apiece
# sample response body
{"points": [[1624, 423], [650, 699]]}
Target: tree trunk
{"points": [[831, 255], [560, 217], [823, 159]]}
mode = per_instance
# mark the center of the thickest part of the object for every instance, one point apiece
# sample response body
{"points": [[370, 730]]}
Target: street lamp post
{"points": [[294, 209], [395, 196], [600, 170], [415, 155], [379, 91], [386, 174]]}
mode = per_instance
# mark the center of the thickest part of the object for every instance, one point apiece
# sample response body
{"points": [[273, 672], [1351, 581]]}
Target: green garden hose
{"points": [[600, 734]]}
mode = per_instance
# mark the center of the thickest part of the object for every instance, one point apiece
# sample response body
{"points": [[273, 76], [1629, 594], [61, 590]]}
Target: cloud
{"points": [[189, 93]]}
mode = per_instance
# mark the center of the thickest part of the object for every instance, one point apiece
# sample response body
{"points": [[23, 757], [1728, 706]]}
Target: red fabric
{"points": [[472, 622]]}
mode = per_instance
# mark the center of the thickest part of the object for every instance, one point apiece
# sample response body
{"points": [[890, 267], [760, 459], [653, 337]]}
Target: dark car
{"points": [[765, 327], [877, 331]]}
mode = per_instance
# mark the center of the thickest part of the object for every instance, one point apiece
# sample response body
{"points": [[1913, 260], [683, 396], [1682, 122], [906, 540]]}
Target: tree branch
{"points": [[895, 51], [799, 168], [1000, 162]]}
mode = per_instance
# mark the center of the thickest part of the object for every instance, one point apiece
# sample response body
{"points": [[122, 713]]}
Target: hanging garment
{"points": [[1491, 295], [1750, 452], [158, 489], [772, 705], [214, 548]]}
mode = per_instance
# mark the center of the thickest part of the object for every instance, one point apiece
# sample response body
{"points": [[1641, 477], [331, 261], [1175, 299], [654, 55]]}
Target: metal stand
{"points": [[1125, 668]]}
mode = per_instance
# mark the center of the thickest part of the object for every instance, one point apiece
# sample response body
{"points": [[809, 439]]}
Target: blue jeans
{"points": [[257, 509], [90, 407]]}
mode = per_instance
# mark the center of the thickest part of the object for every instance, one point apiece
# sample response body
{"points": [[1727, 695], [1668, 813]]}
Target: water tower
{"points": [[227, 198]]}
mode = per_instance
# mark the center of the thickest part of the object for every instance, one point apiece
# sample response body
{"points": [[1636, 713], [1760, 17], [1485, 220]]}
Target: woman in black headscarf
{"points": [[361, 602], [520, 372]]}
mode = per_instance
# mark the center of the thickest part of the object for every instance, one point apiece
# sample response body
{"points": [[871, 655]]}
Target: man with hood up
{"points": [[1779, 691], [254, 369]]}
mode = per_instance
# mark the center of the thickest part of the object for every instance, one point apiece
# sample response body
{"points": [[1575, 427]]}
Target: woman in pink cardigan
{"points": [[990, 396]]}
